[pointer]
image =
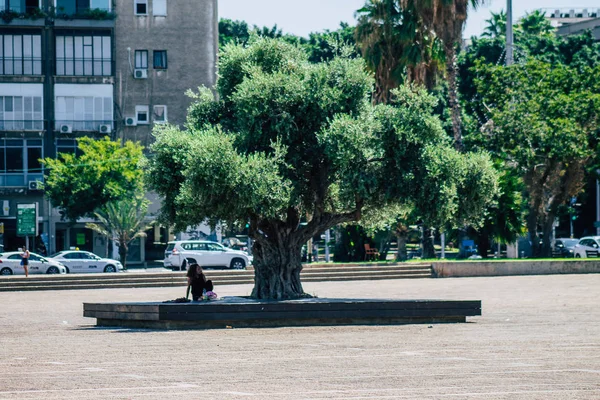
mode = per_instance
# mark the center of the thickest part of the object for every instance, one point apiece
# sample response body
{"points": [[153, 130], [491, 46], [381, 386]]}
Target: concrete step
{"points": [[225, 277]]}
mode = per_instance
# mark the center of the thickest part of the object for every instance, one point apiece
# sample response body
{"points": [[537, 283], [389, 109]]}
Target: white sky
{"points": [[305, 16]]}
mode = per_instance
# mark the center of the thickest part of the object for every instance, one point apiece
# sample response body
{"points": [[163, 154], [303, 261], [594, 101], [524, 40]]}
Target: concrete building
{"points": [[575, 21], [73, 68]]}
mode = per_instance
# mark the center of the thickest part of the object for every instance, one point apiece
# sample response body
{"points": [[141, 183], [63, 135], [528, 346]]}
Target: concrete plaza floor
{"points": [[538, 338]]}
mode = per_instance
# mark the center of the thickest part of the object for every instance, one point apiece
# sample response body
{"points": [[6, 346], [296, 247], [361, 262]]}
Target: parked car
{"points": [[10, 264], [587, 247], [78, 261], [564, 247], [207, 254], [235, 244]]}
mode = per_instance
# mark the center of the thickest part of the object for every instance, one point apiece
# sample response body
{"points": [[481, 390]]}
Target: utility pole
{"points": [[509, 34]]}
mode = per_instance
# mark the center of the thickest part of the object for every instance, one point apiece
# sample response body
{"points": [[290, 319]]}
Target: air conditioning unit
{"points": [[130, 121], [105, 128], [66, 128], [140, 73], [35, 185]]}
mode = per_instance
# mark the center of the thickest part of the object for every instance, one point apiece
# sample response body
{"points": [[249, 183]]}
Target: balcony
{"points": [[83, 14], [70, 126], [26, 16]]}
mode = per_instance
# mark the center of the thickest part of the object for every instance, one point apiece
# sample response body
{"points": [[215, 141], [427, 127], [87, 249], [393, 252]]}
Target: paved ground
{"points": [[539, 338]]}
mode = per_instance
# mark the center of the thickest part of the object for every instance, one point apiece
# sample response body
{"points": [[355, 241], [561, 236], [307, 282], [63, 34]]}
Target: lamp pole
{"points": [[509, 33]]}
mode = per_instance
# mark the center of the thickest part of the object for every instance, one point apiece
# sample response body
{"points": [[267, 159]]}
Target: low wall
{"points": [[448, 269]]}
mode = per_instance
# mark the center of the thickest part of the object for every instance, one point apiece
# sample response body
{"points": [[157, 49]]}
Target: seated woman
{"points": [[197, 282]]}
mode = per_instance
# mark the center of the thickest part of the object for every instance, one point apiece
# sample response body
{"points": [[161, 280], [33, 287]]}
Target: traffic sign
{"points": [[597, 224], [27, 219]]}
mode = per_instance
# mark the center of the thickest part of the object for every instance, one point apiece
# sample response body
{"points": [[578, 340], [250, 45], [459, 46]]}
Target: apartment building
{"points": [[574, 21], [72, 68]]}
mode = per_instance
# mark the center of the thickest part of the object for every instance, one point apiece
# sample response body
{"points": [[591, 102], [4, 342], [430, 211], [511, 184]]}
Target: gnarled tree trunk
{"points": [[123, 253], [277, 266]]}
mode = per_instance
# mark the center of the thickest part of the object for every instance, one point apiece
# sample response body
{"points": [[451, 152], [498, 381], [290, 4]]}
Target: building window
{"points": [[140, 7], [67, 146], [159, 8], [82, 113], [141, 113], [73, 7], [20, 54], [19, 161], [20, 6], [85, 55], [141, 59], [160, 114], [21, 113], [160, 59]]}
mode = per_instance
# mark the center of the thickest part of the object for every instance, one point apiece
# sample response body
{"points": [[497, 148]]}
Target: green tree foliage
{"points": [[123, 221], [288, 141], [102, 171], [394, 47], [321, 46], [496, 25], [446, 19], [543, 121]]}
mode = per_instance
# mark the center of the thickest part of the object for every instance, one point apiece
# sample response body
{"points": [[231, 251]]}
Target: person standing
{"points": [[25, 260]]}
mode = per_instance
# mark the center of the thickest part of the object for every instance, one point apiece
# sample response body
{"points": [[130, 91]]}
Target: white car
{"points": [[78, 261], [206, 254], [587, 247], [10, 264]]}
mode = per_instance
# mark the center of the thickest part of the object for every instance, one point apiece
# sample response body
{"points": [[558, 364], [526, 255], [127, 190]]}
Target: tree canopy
{"points": [[296, 148], [100, 171]]}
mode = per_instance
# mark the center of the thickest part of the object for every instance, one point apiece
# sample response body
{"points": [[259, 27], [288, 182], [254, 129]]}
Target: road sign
{"points": [[26, 219]]}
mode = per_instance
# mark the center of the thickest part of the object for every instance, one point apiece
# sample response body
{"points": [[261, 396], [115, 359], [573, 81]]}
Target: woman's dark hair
{"points": [[191, 272]]}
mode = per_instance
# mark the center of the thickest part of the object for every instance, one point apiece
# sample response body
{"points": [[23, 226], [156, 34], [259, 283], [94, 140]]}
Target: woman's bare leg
{"points": [[26, 268]]}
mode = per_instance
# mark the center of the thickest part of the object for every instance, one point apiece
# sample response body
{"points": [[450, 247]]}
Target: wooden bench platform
{"points": [[237, 312]]}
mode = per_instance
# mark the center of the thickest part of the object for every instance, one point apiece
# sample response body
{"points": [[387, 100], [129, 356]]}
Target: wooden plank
{"points": [[215, 307], [121, 316], [320, 314], [205, 324]]}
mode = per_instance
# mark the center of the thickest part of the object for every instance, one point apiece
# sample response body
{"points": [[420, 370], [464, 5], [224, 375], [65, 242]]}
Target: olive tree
{"points": [[296, 148]]}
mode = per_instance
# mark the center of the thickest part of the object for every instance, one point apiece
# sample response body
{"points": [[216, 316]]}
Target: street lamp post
{"points": [[509, 33]]}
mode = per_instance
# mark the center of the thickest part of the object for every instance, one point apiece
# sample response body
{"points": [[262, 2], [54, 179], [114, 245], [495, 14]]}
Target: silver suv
{"points": [[206, 254]]}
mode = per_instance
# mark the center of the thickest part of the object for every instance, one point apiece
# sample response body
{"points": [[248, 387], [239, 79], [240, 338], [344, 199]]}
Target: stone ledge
{"points": [[244, 312], [449, 269]]}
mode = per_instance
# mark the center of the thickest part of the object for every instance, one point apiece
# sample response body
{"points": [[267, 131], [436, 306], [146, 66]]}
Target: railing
{"points": [[21, 125], [68, 126]]}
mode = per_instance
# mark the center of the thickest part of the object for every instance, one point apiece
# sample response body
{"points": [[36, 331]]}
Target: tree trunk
{"points": [[452, 71], [532, 224], [546, 249], [277, 266], [428, 248], [483, 244], [123, 253], [401, 236]]}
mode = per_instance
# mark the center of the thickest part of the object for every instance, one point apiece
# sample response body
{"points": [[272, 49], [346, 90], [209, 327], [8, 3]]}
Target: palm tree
{"points": [[536, 23], [394, 48], [496, 25], [446, 19], [123, 221]]}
